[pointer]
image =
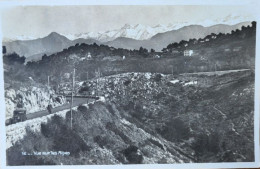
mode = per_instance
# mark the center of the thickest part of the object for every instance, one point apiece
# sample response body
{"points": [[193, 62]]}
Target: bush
{"points": [[82, 108], [132, 155], [101, 141], [62, 137], [158, 77], [112, 127], [156, 143], [84, 89], [69, 141], [175, 130], [207, 144], [126, 83]]}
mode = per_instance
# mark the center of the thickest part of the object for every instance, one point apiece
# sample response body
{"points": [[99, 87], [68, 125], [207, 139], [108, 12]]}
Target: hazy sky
{"points": [[38, 21]]}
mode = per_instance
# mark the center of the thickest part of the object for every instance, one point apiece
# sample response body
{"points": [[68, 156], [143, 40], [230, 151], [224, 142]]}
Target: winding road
{"points": [[76, 102]]}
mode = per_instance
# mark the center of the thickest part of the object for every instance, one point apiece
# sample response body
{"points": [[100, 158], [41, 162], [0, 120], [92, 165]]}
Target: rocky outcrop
{"points": [[102, 134], [214, 118], [31, 99]]}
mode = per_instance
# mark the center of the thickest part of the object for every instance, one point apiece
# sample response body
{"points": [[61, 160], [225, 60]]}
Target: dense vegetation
{"points": [[215, 121], [149, 119], [100, 135], [214, 52], [206, 123]]}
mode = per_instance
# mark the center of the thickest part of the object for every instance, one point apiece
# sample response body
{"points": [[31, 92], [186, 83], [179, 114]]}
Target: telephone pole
{"points": [[72, 90], [48, 88], [48, 81]]}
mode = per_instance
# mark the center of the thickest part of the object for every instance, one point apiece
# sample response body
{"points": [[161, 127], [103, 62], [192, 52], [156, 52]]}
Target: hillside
{"points": [[211, 114], [160, 40], [151, 118], [34, 49], [100, 135], [214, 52], [54, 42]]}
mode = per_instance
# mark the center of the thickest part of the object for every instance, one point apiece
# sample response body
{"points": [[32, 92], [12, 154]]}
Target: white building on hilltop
{"points": [[89, 55], [188, 52]]}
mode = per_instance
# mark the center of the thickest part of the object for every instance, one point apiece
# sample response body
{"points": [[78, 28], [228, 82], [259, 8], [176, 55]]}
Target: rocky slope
{"points": [[150, 118], [209, 113], [100, 135], [31, 99]]}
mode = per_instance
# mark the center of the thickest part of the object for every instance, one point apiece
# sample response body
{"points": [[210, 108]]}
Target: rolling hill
{"points": [[54, 42]]}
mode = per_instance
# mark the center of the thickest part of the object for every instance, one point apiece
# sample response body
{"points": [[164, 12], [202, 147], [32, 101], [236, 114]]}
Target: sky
{"points": [[39, 21]]}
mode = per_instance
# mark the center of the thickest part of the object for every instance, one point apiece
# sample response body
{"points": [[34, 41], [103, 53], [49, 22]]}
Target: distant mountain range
{"points": [[34, 49], [128, 37], [138, 32], [161, 40]]}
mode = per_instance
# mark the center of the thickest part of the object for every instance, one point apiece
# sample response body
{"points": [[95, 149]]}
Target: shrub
{"points": [[84, 89], [101, 141], [82, 108], [62, 137], [132, 155], [207, 144], [112, 127], [175, 130], [158, 77], [155, 142], [126, 83]]}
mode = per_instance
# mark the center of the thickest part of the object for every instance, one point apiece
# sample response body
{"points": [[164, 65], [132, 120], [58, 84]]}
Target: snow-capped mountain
{"points": [[145, 32], [138, 32]]}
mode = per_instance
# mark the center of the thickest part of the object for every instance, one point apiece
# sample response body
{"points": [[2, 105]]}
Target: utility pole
{"points": [[49, 89], [97, 81], [71, 103], [48, 82]]}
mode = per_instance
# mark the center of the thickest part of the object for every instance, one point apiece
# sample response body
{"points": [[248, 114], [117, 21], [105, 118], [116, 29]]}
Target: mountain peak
{"points": [[54, 34], [126, 26], [139, 26], [156, 26]]}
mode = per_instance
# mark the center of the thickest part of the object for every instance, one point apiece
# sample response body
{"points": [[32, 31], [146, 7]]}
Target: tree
{"points": [[220, 35], [183, 43], [213, 34], [44, 57], [143, 51], [152, 51], [13, 58], [254, 24], [4, 50], [192, 41]]}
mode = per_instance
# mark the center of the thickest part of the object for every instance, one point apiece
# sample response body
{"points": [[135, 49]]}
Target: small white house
{"points": [[89, 55], [188, 53], [227, 50], [123, 57]]}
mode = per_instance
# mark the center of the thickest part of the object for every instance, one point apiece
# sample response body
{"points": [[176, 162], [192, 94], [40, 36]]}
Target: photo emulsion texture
{"points": [[126, 89]]}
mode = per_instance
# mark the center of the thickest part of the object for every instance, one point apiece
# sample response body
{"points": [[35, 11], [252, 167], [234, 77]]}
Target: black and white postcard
{"points": [[111, 84]]}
